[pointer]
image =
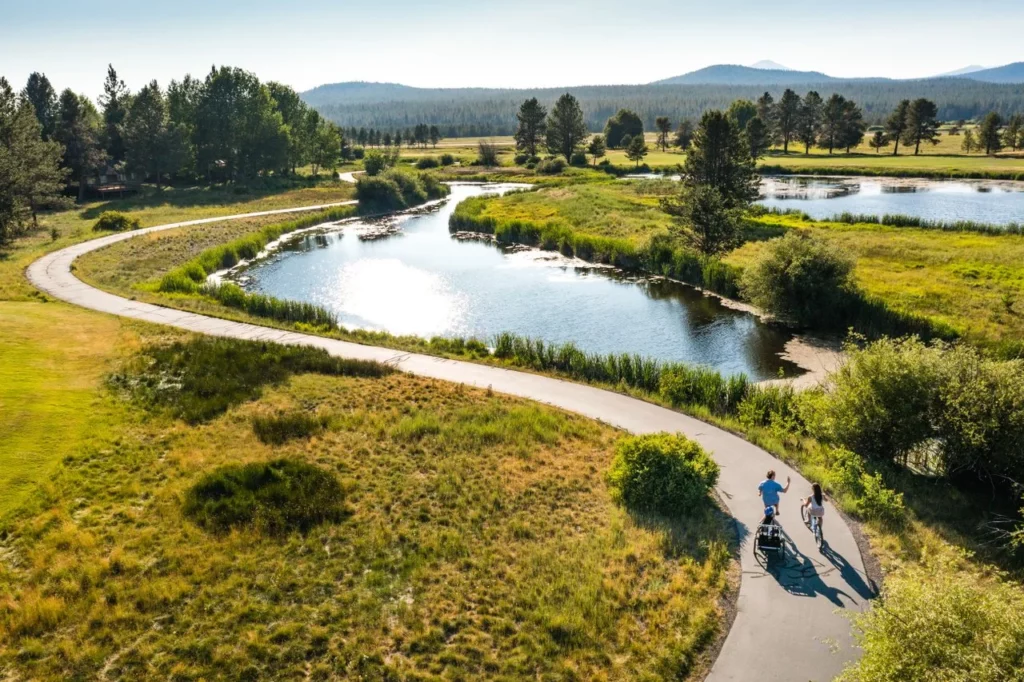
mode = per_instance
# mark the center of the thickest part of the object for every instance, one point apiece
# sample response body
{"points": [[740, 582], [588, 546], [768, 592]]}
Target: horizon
{"points": [[294, 45]]}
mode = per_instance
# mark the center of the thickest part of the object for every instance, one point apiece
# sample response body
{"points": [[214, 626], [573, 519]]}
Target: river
{"points": [[419, 280]]}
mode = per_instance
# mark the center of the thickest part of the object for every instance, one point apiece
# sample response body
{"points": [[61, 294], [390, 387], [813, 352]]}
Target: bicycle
{"points": [[812, 523]]}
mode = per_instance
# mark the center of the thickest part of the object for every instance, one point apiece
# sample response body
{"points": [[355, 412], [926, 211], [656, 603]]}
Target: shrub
{"points": [[685, 386], [410, 186], [199, 379], [447, 159], [578, 159], [115, 221], [379, 194], [800, 279], [282, 427], [551, 166], [521, 159], [427, 162], [773, 406], [272, 497], [488, 154], [374, 163], [934, 623], [358, 152], [662, 473], [866, 494]]}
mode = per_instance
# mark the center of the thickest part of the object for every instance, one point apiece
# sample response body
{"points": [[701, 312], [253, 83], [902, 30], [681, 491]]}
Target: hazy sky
{"points": [[498, 43]]}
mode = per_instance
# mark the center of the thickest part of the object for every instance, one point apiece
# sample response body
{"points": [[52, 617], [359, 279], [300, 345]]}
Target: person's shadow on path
{"points": [[801, 576]]}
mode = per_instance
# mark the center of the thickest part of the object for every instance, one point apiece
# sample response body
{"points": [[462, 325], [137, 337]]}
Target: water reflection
{"points": [[426, 283], [994, 202]]}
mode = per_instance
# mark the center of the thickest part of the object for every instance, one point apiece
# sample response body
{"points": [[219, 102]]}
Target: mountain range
{"points": [[771, 73]]}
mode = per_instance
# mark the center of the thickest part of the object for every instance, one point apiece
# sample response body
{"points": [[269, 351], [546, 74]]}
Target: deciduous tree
{"points": [[566, 131], [742, 111], [624, 122]]}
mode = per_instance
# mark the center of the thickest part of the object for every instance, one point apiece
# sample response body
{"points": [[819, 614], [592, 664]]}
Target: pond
{"points": [[981, 201], [408, 275]]}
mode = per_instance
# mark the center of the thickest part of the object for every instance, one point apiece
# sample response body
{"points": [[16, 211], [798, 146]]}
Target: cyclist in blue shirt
{"points": [[770, 489]]}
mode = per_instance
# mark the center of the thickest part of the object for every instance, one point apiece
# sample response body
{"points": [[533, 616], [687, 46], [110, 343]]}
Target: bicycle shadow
{"points": [[802, 576]]}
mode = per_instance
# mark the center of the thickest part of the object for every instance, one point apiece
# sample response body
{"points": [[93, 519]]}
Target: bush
{"points": [[378, 194], [199, 379], [578, 159], [521, 159], [488, 154], [662, 473], [551, 166], [800, 279], [280, 428], [427, 162], [115, 221], [941, 623], [865, 494], [358, 152], [447, 159], [272, 497], [772, 406], [374, 163]]}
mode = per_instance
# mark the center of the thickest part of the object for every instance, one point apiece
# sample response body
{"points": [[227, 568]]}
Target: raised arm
{"points": [[786, 489]]}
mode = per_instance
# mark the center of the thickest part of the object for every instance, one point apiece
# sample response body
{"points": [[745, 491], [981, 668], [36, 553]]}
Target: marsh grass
{"points": [[281, 427], [201, 378], [274, 498], [479, 541]]}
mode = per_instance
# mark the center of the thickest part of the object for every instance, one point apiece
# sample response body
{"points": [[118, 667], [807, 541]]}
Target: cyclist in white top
{"points": [[816, 505]]}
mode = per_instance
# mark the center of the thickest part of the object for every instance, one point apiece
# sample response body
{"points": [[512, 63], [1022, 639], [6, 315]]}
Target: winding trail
{"points": [[789, 624]]}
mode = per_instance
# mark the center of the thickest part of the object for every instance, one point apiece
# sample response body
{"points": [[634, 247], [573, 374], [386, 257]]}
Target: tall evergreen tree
{"points": [[757, 137], [435, 136], [719, 158], [566, 131], [853, 127], [922, 124], [832, 122], [766, 108], [969, 144], [43, 98], [637, 149], [896, 124], [115, 101], [878, 140], [596, 147], [154, 145], [742, 111], [1014, 132], [809, 120], [988, 133], [30, 173], [787, 116], [664, 126], [79, 130]]}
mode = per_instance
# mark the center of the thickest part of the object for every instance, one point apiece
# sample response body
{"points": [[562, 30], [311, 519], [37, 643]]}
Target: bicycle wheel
{"points": [[805, 516], [819, 540]]}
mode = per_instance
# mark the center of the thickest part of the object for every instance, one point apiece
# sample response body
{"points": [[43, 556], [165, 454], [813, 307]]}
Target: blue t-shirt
{"points": [[770, 490]]}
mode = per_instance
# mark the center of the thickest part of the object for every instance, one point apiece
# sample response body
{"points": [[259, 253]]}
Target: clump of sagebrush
{"points": [[116, 221], [395, 190], [201, 378], [276, 429], [271, 497], [663, 473]]}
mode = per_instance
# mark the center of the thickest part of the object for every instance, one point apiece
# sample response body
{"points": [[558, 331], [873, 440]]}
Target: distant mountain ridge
{"points": [[1008, 73], [734, 74], [770, 65]]}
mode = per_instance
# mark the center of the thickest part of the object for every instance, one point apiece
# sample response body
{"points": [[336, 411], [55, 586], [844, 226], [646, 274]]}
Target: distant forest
{"points": [[480, 112]]}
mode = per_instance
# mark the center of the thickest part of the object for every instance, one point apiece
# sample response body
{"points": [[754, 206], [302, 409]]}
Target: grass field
{"points": [[943, 159]]}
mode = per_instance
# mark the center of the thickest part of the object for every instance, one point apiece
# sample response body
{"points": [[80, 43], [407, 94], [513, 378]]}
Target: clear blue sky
{"points": [[448, 43]]}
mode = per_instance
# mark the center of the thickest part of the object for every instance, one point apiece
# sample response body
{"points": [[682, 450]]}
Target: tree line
{"points": [[483, 112]]}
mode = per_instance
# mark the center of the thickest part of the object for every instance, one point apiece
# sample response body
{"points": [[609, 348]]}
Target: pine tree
{"points": [[566, 130], [43, 98], [787, 114], [878, 140], [896, 124], [532, 127], [832, 122], [596, 148], [719, 158], [637, 149], [664, 126], [988, 133], [757, 137], [114, 101], [79, 128], [922, 124], [969, 144], [1014, 132], [853, 127], [809, 120], [153, 144], [684, 134]]}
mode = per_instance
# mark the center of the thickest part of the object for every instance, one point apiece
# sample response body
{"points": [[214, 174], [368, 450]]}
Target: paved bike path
{"points": [[792, 620]]}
